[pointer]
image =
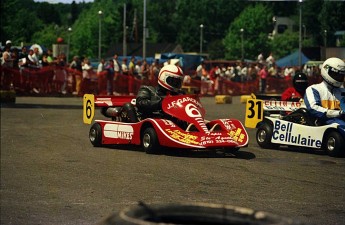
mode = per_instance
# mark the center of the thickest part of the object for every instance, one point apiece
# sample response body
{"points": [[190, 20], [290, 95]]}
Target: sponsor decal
{"points": [[284, 132], [206, 140], [227, 125], [118, 131], [182, 137], [216, 140], [106, 101], [168, 123], [182, 100], [282, 105], [192, 111], [237, 135]]}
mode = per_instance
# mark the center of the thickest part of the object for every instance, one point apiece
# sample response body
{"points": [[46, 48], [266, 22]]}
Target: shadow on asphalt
{"points": [[39, 106], [299, 149], [190, 153]]}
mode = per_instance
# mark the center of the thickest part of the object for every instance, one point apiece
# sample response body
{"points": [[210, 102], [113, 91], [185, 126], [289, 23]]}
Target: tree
{"points": [[255, 20], [284, 44], [84, 37], [216, 16], [332, 19]]}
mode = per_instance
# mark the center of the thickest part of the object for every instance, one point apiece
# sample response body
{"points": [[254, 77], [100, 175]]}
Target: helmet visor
{"points": [[175, 82], [336, 74]]}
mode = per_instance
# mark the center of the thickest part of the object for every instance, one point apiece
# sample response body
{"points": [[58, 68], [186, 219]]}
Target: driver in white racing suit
{"points": [[323, 100]]}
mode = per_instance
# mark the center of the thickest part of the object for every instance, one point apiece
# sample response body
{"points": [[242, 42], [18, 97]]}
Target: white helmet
{"points": [[171, 77], [333, 71]]}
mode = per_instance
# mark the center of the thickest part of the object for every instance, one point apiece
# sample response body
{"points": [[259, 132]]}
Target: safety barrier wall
{"points": [[55, 79]]}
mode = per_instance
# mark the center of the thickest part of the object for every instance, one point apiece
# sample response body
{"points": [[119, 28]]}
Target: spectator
{"points": [[50, 58], [61, 75], [154, 70], [76, 65], [101, 76], [244, 73], [273, 70], [263, 77], [270, 60], [87, 70], [199, 71], [145, 70], [138, 70], [45, 60], [252, 72], [33, 59], [260, 58], [23, 54], [131, 67], [6, 60], [117, 67], [110, 76], [124, 66]]}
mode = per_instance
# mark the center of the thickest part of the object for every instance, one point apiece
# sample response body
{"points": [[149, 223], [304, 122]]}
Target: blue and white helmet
{"points": [[333, 71]]}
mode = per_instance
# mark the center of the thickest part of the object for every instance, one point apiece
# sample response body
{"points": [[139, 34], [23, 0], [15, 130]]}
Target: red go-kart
{"points": [[154, 133]]}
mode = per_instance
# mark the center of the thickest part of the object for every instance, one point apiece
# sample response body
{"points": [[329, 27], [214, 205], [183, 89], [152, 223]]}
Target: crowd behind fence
{"points": [[55, 79]]}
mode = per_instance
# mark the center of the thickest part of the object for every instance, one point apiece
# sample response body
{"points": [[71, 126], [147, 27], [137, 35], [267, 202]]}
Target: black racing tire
{"points": [[202, 213], [334, 144], [149, 141], [95, 135], [264, 136]]}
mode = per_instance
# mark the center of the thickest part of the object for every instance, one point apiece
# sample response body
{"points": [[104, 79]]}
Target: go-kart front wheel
{"points": [[264, 136], [150, 141], [95, 135], [334, 144]]}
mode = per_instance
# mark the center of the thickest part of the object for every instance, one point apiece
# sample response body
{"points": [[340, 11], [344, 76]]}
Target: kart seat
{"points": [[131, 112], [301, 116]]}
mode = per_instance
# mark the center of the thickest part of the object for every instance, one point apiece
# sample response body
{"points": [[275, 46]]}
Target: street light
{"points": [[201, 37], [300, 34], [325, 38], [100, 13], [69, 43], [242, 47], [144, 31], [304, 32], [124, 47]]}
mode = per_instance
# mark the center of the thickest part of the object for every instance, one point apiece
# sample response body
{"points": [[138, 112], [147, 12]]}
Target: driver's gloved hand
{"points": [[332, 113], [156, 103]]}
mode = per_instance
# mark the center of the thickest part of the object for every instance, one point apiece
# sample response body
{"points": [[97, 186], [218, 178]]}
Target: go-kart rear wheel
{"points": [[95, 135], [334, 144], [150, 141], [264, 136]]}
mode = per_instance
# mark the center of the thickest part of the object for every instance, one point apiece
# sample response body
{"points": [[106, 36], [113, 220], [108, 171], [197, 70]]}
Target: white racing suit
{"points": [[323, 102]]}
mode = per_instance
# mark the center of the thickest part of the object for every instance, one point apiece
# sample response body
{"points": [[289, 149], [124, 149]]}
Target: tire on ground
{"points": [[95, 135], [194, 213], [334, 144], [149, 141]]}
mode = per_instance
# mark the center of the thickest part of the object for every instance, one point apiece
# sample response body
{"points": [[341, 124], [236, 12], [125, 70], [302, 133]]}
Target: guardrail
{"points": [[55, 79]]}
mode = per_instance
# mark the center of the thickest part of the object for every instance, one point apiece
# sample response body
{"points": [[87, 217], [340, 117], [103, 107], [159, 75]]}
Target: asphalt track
{"points": [[51, 174]]}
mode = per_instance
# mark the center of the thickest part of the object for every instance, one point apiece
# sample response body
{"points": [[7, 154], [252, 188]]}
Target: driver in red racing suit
{"points": [[149, 98], [323, 100]]}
